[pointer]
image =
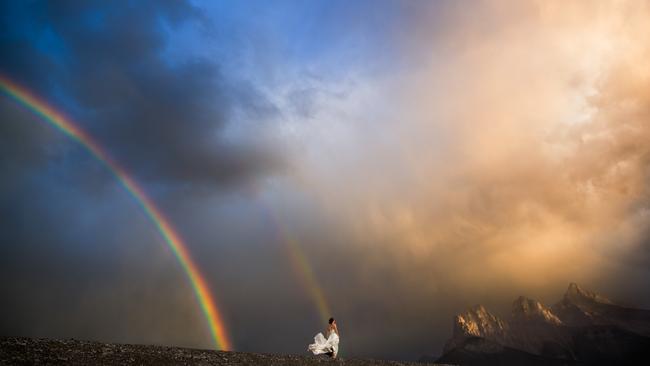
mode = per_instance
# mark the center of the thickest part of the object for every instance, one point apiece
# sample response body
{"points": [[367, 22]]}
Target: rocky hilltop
{"points": [[31, 351], [582, 328]]}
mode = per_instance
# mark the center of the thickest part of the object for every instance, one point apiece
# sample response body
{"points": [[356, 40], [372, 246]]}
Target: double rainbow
{"points": [[173, 240]]}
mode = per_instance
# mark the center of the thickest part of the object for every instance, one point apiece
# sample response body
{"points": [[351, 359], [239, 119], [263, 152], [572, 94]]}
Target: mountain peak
{"points": [[576, 294], [478, 322], [527, 309], [574, 290]]}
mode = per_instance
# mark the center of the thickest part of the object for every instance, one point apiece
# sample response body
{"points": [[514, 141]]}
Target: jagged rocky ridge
{"points": [[583, 327]]}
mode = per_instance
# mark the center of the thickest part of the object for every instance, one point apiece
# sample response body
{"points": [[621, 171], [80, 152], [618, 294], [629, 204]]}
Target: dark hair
{"points": [[331, 320]]}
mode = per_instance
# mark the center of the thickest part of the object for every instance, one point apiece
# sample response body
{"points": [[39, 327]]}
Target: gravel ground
{"points": [[34, 351]]}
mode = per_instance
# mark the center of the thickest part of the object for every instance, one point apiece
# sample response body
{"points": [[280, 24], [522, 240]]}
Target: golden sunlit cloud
{"points": [[514, 150]]}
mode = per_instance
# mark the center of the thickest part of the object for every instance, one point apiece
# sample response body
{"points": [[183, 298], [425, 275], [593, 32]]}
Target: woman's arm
{"points": [[336, 329]]}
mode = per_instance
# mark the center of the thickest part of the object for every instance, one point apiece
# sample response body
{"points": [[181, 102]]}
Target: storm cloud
{"points": [[109, 67]]}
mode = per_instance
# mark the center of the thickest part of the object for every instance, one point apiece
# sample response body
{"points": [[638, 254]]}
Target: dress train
{"points": [[322, 345]]}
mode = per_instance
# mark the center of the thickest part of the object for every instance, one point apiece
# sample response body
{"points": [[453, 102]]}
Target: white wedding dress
{"points": [[322, 345]]}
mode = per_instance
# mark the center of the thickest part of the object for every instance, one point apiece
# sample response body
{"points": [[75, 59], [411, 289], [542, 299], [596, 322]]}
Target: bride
{"points": [[329, 346]]}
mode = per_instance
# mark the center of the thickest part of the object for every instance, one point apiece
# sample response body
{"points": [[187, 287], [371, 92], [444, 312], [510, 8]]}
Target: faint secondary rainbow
{"points": [[173, 240], [302, 266]]}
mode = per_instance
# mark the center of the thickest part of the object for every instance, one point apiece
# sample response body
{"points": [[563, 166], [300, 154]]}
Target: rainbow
{"points": [[173, 240], [301, 265]]}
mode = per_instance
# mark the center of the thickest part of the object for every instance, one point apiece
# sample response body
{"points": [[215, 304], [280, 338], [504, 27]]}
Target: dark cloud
{"points": [[105, 65], [71, 271]]}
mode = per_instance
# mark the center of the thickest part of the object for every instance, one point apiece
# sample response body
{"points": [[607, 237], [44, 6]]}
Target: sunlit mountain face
{"points": [[231, 174]]}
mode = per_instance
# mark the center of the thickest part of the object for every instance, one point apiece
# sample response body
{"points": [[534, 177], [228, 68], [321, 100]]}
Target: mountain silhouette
{"points": [[583, 328]]}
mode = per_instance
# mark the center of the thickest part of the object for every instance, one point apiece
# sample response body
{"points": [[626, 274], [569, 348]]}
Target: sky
{"points": [[392, 162]]}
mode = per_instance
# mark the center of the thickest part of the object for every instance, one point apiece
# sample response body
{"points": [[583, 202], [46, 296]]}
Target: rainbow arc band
{"points": [[173, 240], [301, 265]]}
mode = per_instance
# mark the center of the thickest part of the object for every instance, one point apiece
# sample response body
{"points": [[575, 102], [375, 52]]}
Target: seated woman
{"points": [[329, 346]]}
